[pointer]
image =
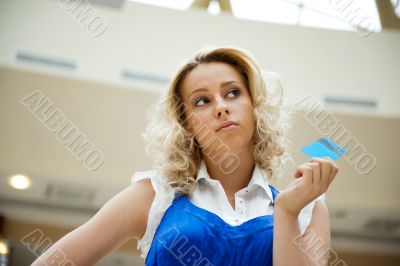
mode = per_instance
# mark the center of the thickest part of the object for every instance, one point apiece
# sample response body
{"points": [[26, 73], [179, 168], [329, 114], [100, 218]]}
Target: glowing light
{"points": [[3, 248], [19, 182]]}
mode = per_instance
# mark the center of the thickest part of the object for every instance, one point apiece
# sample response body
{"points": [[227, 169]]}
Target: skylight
{"points": [[333, 14]]}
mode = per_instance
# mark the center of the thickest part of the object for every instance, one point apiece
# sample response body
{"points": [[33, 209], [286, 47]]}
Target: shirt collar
{"points": [[258, 179]]}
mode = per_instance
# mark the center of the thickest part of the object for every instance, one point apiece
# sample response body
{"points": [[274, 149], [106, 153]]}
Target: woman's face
{"points": [[215, 94]]}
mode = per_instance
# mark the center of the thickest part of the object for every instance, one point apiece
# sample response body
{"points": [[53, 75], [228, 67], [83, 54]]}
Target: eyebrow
{"points": [[222, 85]]}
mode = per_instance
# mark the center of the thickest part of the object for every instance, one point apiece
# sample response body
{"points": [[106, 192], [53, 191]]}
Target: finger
{"points": [[327, 158], [316, 174], [305, 172], [325, 172], [321, 160], [298, 173], [334, 170]]}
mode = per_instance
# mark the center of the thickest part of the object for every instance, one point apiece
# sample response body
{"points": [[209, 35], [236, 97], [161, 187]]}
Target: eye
{"points": [[234, 92], [201, 101]]}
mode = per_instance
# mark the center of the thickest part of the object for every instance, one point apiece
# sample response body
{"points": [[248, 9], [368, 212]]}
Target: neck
{"points": [[240, 177]]}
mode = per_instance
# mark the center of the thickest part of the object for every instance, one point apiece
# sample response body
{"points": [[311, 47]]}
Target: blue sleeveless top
{"points": [[190, 235]]}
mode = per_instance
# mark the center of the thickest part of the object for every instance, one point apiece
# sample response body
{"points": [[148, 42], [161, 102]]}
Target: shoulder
{"points": [[151, 176], [143, 183], [146, 198], [157, 198], [133, 204]]}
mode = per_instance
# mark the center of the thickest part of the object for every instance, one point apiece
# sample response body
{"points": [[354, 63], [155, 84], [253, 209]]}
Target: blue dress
{"points": [[189, 235]]}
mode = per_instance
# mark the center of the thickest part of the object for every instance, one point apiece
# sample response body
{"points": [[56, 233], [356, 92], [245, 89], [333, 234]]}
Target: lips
{"points": [[226, 124]]}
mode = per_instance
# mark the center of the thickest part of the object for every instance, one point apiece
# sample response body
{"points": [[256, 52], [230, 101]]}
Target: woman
{"points": [[217, 138]]}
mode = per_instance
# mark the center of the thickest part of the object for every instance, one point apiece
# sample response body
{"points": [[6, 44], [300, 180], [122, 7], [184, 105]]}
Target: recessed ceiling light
{"points": [[3, 247], [19, 181]]}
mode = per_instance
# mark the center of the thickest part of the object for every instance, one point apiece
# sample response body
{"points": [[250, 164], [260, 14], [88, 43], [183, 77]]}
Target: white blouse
{"points": [[250, 202]]}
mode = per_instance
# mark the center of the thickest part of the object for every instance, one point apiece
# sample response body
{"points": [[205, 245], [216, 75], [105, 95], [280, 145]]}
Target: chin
{"points": [[230, 141], [236, 145]]}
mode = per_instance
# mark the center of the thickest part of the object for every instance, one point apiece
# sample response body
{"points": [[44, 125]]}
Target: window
{"points": [[332, 14]]}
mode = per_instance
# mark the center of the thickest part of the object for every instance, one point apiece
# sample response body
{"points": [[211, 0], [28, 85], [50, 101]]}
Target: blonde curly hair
{"points": [[177, 154]]}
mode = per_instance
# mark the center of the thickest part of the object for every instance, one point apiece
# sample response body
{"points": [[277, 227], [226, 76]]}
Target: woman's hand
{"points": [[311, 180]]}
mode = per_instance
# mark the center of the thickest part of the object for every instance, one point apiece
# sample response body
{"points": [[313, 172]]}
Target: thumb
{"points": [[298, 173], [305, 172]]}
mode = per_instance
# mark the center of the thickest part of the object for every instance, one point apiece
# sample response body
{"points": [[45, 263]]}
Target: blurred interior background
{"points": [[101, 64]]}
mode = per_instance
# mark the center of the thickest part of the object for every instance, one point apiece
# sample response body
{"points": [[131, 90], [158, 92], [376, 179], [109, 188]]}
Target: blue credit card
{"points": [[324, 147]]}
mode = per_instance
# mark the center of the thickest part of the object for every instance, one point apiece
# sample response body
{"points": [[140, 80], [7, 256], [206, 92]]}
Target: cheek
{"points": [[249, 118], [196, 121]]}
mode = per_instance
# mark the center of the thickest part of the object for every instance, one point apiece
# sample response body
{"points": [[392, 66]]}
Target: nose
{"points": [[221, 108]]}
